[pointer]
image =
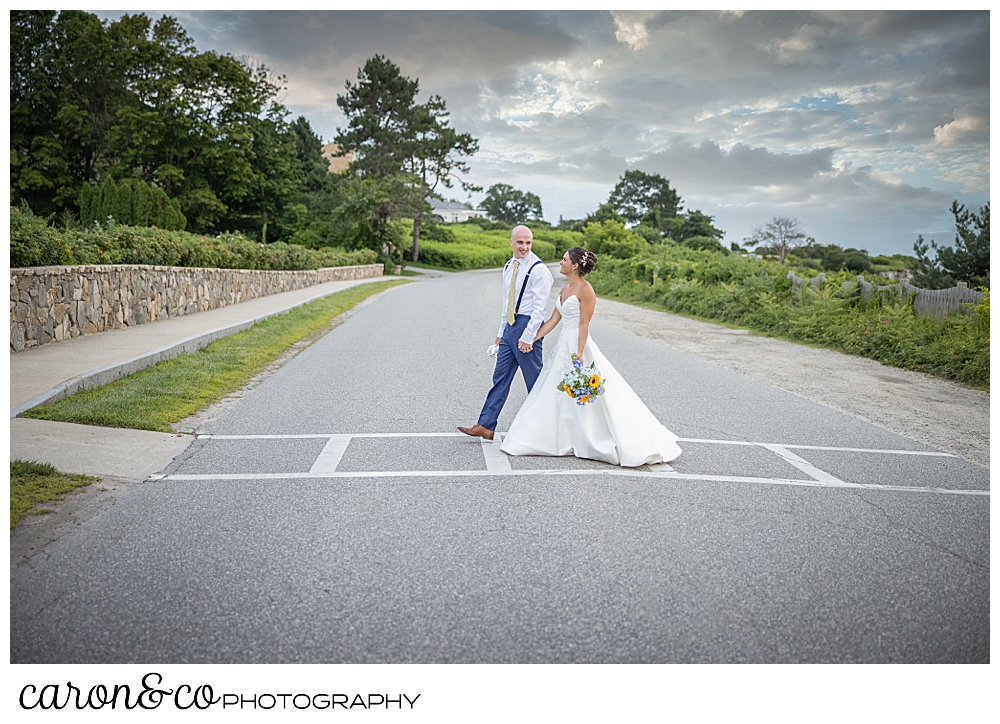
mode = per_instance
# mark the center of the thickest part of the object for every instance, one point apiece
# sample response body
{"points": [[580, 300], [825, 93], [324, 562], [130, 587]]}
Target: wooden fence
{"points": [[931, 302]]}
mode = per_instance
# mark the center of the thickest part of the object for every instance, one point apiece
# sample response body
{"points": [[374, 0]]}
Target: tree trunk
{"points": [[416, 237], [263, 209]]}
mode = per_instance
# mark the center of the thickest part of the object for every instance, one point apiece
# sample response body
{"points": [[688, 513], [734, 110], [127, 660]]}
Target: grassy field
{"points": [[154, 398], [32, 483]]}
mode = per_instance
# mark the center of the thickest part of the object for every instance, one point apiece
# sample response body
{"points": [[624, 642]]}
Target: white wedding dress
{"points": [[617, 428]]}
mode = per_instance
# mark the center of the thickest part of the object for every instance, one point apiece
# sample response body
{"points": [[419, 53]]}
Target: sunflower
{"points": [[584, 400], [594, 381], [569, 392]]}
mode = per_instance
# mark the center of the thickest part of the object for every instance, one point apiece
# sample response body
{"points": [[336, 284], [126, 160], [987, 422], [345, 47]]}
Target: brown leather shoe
{"points": [[477, 430]]}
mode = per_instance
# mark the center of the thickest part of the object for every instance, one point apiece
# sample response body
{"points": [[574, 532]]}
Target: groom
{"points": [[526, 286]]}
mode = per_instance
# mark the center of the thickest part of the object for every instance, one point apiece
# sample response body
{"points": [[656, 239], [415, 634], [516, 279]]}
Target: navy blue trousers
{"points": [[509, 358]]}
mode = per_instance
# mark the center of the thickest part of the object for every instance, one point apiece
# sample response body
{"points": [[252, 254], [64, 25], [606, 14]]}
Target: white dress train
{"points": [[617, 428]]}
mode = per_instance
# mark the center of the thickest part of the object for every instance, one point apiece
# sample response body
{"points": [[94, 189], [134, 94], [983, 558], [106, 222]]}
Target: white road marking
{"points": [[804, 465], [329, 459], [496, 459], [817, 447], [498, 464], [619, 472], [304, 436]]}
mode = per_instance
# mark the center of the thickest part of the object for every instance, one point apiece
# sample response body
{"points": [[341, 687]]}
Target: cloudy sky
{"points": [[864, 126]]}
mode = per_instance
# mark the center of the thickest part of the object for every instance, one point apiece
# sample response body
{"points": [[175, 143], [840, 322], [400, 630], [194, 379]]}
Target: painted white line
{"points": [[304, 436], [819, 447], [496, 459], [622, 471], [329, 459], [804, 465], [872, 450], [715, 442]]}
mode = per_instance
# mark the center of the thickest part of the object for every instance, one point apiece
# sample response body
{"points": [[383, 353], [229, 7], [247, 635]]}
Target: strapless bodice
{"points": [[570, 309]]}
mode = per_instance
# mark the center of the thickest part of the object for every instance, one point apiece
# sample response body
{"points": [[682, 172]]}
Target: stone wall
{"points": [[53, 303]]}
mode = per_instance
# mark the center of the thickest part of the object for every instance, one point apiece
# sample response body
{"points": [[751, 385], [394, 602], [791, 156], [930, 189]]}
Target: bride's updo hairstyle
{"points": [[586, 259]]}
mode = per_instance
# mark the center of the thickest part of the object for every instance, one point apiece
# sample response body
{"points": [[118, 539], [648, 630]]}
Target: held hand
{"points": [[524, 347]]}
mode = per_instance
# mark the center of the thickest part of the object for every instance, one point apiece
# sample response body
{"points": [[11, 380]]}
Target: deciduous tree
{"points": [[778, 236], [511, 206], [642, 197]]}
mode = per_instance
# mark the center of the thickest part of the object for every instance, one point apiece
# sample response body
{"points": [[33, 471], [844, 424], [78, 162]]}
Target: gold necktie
{"points": [[510, 295]]}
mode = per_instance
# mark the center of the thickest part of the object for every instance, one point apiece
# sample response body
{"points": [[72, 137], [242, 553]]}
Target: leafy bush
{"points": [[756, 294], [468, 246], [709, 243], [34, 243], [611, 238]]}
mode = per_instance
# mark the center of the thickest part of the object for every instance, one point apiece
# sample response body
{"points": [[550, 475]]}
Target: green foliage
{"points": [[693, 224], [756, 294], [131, 202], [395, 138], [968, 261], [511, 206], [611, 238], [484, 223], [560, 239], [640, 197], [94, 101], [604, 212], [468, 246], [709, 243], [34, 243], [366, 219]]}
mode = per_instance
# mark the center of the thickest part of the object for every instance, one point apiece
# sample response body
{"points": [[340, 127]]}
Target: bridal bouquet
{"points": [[583, 384]]}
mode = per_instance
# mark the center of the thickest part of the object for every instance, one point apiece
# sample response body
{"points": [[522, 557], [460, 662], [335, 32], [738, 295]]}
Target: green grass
{"points": [[154, 398], [33, 482]]}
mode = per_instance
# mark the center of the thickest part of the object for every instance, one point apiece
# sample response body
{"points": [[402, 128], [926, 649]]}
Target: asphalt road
{"points": [[334, 515]]}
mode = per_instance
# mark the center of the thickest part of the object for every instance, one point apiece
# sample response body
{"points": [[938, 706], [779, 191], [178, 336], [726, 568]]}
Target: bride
{"points": [[617, 427]]}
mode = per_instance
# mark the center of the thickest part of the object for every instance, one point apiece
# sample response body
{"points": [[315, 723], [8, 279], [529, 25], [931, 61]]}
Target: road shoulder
{"points": [[936, 412]]}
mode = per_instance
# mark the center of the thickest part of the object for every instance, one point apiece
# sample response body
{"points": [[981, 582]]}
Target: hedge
{"points": [[35, 243]]}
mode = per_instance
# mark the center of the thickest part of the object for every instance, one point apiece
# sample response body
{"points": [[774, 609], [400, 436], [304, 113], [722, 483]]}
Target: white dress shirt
{"points": [[536, 294]]}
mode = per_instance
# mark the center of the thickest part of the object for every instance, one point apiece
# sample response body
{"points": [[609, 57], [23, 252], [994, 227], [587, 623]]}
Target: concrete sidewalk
{"points": [[59, 369]]}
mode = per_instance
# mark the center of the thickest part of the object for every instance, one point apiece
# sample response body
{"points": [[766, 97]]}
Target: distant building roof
{"points": [[449, 205], [338, 164]]}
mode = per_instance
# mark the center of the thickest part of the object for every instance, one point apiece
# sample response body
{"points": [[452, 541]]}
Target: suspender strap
{"points": [[523, 285]]}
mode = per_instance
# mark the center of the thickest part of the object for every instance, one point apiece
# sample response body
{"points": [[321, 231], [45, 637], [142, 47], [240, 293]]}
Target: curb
{"points": [[115, 371]]}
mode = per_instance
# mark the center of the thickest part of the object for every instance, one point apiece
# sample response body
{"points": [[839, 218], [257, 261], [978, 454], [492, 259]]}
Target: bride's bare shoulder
{"points": [[586, 292]]}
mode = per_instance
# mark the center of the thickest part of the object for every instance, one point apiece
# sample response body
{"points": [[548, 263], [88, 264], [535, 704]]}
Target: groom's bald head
{"points": [[520, 231], [520, 241]]}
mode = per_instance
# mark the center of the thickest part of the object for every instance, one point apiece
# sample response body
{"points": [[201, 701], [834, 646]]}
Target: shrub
{"points": [[709, 243], [467, 246], [34, 243], [611, 238]]}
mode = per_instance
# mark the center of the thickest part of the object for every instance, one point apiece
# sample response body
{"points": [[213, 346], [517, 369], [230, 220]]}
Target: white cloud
{"points": [[797, 47], [964, 128], [631, 27], [858, 121]]}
